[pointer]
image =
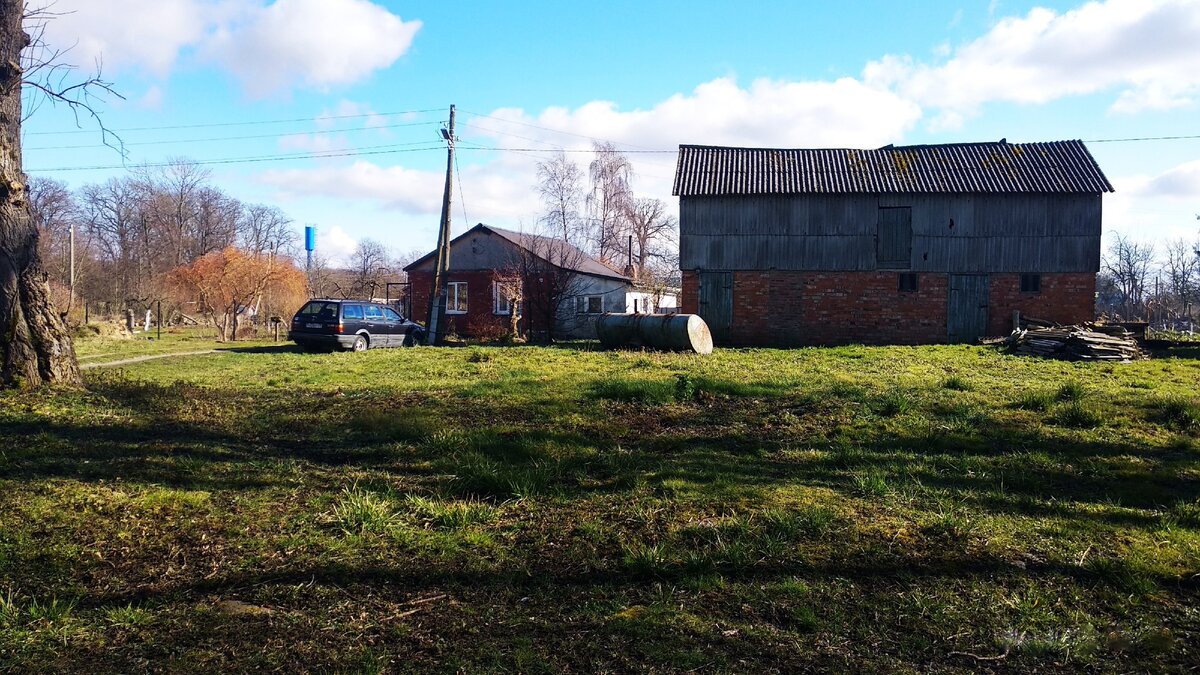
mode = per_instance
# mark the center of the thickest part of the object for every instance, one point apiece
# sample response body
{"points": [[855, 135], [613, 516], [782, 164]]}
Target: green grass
{"points": [[565, 509]]}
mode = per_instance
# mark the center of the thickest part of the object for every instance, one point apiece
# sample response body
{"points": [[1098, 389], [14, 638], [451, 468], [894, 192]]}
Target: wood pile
{"points": [[1075, 343]]}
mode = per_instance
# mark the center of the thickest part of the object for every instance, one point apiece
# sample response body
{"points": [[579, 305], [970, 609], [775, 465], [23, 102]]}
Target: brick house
{"points": [[899, 245], [561, 287]]}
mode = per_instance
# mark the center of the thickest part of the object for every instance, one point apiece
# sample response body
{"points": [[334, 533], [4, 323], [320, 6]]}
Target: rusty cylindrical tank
{"points": [[674, 332]]}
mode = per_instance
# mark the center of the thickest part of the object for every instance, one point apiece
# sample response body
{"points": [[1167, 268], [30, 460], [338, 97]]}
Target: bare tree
{"points": [[551, 283], [368, 267], [652, 230], [1128, 264], [560, 184], [1183, 275], [54, 212], [609, 202], [36, 347], [173, 205], [266, 229]]}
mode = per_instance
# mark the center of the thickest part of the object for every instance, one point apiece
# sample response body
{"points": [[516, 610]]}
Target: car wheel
{"points": [[361, 343]]}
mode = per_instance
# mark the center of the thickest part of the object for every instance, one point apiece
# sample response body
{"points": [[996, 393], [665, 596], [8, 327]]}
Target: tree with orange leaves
{"points": [[227, 282]]}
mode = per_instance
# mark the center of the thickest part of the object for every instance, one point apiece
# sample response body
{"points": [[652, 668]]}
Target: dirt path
{"points": [[137, 359]]}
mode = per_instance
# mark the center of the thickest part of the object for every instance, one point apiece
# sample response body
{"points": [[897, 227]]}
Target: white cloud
{"points": [[152, 99], [768, 112], [268, 46], [409, 190], [335, 245], [1182, 181], [1155, 208], [845, 112], [315, 43], [146, 35], [1147, 50]]}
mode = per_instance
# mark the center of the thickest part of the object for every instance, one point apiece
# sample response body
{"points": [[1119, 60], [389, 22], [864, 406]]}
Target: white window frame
{"points": [[501, 306], [456, 295], [584, 300]]}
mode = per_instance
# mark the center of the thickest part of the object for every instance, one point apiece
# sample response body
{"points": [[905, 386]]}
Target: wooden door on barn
{"points": [[716, 303], [967, 307]]}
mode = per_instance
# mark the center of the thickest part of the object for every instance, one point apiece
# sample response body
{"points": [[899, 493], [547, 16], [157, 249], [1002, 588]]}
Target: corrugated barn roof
{"points": [[1059, 166]]}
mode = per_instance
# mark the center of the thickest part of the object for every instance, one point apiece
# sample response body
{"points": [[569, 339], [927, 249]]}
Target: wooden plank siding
{"points": [[952, 233]]}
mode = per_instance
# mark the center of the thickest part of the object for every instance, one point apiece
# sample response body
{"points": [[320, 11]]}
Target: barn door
{"points": [[893, 238], [967, 307], [716, 303]]}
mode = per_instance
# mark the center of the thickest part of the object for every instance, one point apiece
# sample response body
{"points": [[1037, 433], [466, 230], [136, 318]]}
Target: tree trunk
{"points": [[35, 347]]}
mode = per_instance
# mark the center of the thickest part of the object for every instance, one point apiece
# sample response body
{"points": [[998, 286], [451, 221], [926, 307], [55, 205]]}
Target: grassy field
{"points": [[547, 509]]}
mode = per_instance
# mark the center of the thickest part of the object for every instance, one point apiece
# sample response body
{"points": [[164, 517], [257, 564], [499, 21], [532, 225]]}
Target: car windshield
{"points": [[319, 310]]}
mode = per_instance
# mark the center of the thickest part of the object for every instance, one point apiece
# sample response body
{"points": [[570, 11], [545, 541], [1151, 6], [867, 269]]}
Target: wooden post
{"points": [[1016, 320], [437, 294], [160, 319]]}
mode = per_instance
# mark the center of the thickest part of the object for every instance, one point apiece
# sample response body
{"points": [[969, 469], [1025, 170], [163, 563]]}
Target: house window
{"points": [[908, 282], [456, 297], [591, 304], [502, 294], [1031, 283]]}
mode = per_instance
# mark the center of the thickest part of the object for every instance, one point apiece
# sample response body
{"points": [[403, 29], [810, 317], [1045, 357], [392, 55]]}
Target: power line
{"points": [[1143, 138], [237, 124], [556, 131], [626, 152], [239, 138], [261, 158], [461, 200]]}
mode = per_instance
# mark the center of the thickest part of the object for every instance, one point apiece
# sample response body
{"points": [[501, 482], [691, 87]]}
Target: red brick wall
{"points": [[782, 308], [689, 294], [479, 301], [1065, 298]]}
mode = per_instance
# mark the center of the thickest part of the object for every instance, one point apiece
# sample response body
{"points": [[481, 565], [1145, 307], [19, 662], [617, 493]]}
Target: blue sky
{"points": [[338, 102]]}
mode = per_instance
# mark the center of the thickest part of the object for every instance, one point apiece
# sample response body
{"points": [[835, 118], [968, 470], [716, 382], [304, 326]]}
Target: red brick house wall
{"points": [[480, 302], [784, 308]]}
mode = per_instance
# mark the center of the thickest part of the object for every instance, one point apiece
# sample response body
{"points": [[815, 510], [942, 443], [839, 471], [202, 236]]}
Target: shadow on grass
{"points": [[183, 435]]}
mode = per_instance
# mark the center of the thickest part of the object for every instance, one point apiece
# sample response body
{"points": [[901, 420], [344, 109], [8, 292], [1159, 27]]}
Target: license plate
{"points": [[313, 325]]}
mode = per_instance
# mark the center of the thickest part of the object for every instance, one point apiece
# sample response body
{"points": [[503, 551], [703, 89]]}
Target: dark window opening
{"points": [[1031, 283], [908, 282]]}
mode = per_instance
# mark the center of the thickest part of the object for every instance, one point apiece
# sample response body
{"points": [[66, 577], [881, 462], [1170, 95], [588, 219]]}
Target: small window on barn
{"points": [[908, 282], [591, 304], [456, 297], [893, 238], [1031, 283]]}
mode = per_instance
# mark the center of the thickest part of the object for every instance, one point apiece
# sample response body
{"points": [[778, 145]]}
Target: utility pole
{"points": [[72, 302], [437, 294]]}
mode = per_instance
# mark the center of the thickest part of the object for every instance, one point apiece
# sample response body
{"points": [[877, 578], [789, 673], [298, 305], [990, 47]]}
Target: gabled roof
{"points": [[1055, 167], [552, 250]]}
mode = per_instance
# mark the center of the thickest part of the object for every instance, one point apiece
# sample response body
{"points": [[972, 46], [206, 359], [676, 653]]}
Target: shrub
{"points": [[1070, 391], [956, 383], [1180, 413], [1038, 401], [1079, 416], [361, 512], [891, 404]]}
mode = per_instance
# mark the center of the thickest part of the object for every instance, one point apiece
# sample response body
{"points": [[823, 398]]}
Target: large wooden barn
{"points": [[898, 245]]}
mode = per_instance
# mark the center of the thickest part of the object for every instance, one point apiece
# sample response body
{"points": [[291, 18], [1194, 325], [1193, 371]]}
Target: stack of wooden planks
{"points": [[1075, 343]]}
